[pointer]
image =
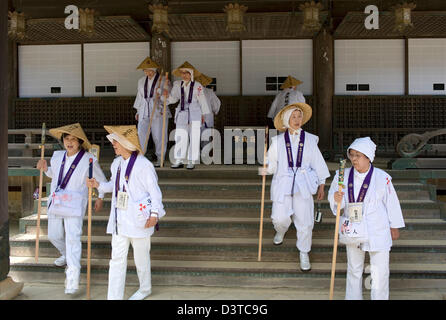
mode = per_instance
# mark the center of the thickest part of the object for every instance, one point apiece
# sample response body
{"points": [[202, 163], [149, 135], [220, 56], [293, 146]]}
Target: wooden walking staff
{"points": [[90, 191], [39, 205], [155, 105], [259, 258], [338, 214], [164, 122]]}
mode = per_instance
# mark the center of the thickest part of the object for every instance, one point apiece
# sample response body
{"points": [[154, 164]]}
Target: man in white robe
{"points": [[147, 98], [135, 210], [295, 183], [287, 96]]}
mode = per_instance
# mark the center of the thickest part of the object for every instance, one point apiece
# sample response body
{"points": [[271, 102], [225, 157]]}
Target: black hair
{"points": [[81, 142]]}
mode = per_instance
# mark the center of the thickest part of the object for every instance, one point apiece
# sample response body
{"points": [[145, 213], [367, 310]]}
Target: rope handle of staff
{"points": [[155, 105], [39, 201], [164, 122], [262, 206], [90, 189], [338, 214]]}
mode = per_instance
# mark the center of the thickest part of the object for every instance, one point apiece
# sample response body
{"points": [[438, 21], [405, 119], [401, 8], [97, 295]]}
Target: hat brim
{"points": [[58, 132], [307, 113], [136, 144]]}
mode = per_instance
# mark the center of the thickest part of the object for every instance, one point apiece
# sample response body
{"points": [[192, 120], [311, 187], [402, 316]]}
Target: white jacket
{"points": [[145, 108], [193, 111], [142, 188], [281, 100], [78, 179], [215, 103], [381, 210], [312, 173]]}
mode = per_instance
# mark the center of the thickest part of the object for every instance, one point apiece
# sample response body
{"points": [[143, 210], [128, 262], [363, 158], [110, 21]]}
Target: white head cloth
{"points": [[124, 142], [364, 145], [191, 71], [287, 115]]}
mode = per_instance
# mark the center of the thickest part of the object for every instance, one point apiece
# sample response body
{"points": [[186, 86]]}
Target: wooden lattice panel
{"points": [[386, 119], [118, 28], [426, 24]]}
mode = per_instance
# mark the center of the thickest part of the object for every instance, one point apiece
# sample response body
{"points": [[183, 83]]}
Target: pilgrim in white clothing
{"points": [[370, 219], [69, 196], [135, 209], [149, 87], [299, 172]]}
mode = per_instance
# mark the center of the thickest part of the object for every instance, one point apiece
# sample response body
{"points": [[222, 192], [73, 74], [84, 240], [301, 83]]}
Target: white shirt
{"points": [[285, 97], [142, 185], [78, 179], [381, 210]]}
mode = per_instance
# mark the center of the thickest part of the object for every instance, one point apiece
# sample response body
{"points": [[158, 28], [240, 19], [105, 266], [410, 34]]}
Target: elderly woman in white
{"points": [[299, 172], [135, 210], [370, 220]]}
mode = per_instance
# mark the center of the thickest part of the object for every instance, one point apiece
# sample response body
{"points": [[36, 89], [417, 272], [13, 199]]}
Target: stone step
{"points": [[237, 226], [249, 190], [244, 171], [195, 244], [248, 251], [432, 213], [262, 270], [219, 203]]}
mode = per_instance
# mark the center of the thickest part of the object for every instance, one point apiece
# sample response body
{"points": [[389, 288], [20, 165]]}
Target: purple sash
{"points": [[364, 187], [191, 91], [128, 171], [153, 86], [289, 151], [62, 183]]}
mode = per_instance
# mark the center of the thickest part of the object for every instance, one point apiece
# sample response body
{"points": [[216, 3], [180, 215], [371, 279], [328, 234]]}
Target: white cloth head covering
{"points": [[287, 115], [125, 143], [153, 69], [191, 71], [364, 145]]}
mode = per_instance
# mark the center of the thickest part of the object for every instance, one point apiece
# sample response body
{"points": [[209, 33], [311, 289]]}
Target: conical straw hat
{"points": [[148, 64], [204, 79], [74, 129], [290, 82], [127, 133], [186, 65], [306, 109]]}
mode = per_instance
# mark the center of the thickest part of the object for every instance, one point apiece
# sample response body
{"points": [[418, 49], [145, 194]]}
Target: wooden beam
{"points": [[4, 93]]}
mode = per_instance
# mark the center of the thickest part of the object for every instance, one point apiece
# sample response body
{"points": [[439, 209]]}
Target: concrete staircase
{"points": [[209, 236]]}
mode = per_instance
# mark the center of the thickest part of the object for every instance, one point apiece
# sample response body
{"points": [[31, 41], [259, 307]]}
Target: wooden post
{"points": [[160, 51], [324, 89], [4, 93]]}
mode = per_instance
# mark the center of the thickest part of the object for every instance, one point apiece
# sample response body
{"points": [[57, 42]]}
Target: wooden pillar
{"points": [[160, 51], [324, 88], [13, 80], [4, 94]]}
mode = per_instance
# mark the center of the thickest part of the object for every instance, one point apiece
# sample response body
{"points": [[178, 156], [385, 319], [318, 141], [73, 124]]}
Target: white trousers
{"points": [[187, 142], [118, 265], [65, 234], [156, 133], [301, 211], [379, 271]]}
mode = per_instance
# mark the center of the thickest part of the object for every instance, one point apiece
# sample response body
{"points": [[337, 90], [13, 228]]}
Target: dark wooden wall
{"points": [[386, 119]]}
